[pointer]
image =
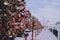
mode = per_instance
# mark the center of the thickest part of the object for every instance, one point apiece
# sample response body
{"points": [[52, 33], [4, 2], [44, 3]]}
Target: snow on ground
{"points": [[45, 34]]}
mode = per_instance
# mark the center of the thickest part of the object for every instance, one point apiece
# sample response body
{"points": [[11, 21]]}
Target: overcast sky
{"points": [[48, 9]]}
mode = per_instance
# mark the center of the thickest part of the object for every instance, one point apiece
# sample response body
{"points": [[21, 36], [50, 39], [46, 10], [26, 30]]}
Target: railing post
{"points": [[32, 28], [32, 35], [26, 38]]}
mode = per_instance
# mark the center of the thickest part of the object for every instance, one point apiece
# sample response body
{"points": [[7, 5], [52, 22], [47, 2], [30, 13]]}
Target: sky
{"points": [[45, 10]]}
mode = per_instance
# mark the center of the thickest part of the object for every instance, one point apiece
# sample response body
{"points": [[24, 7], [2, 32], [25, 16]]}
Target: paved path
{"points": [[43, 35]]}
